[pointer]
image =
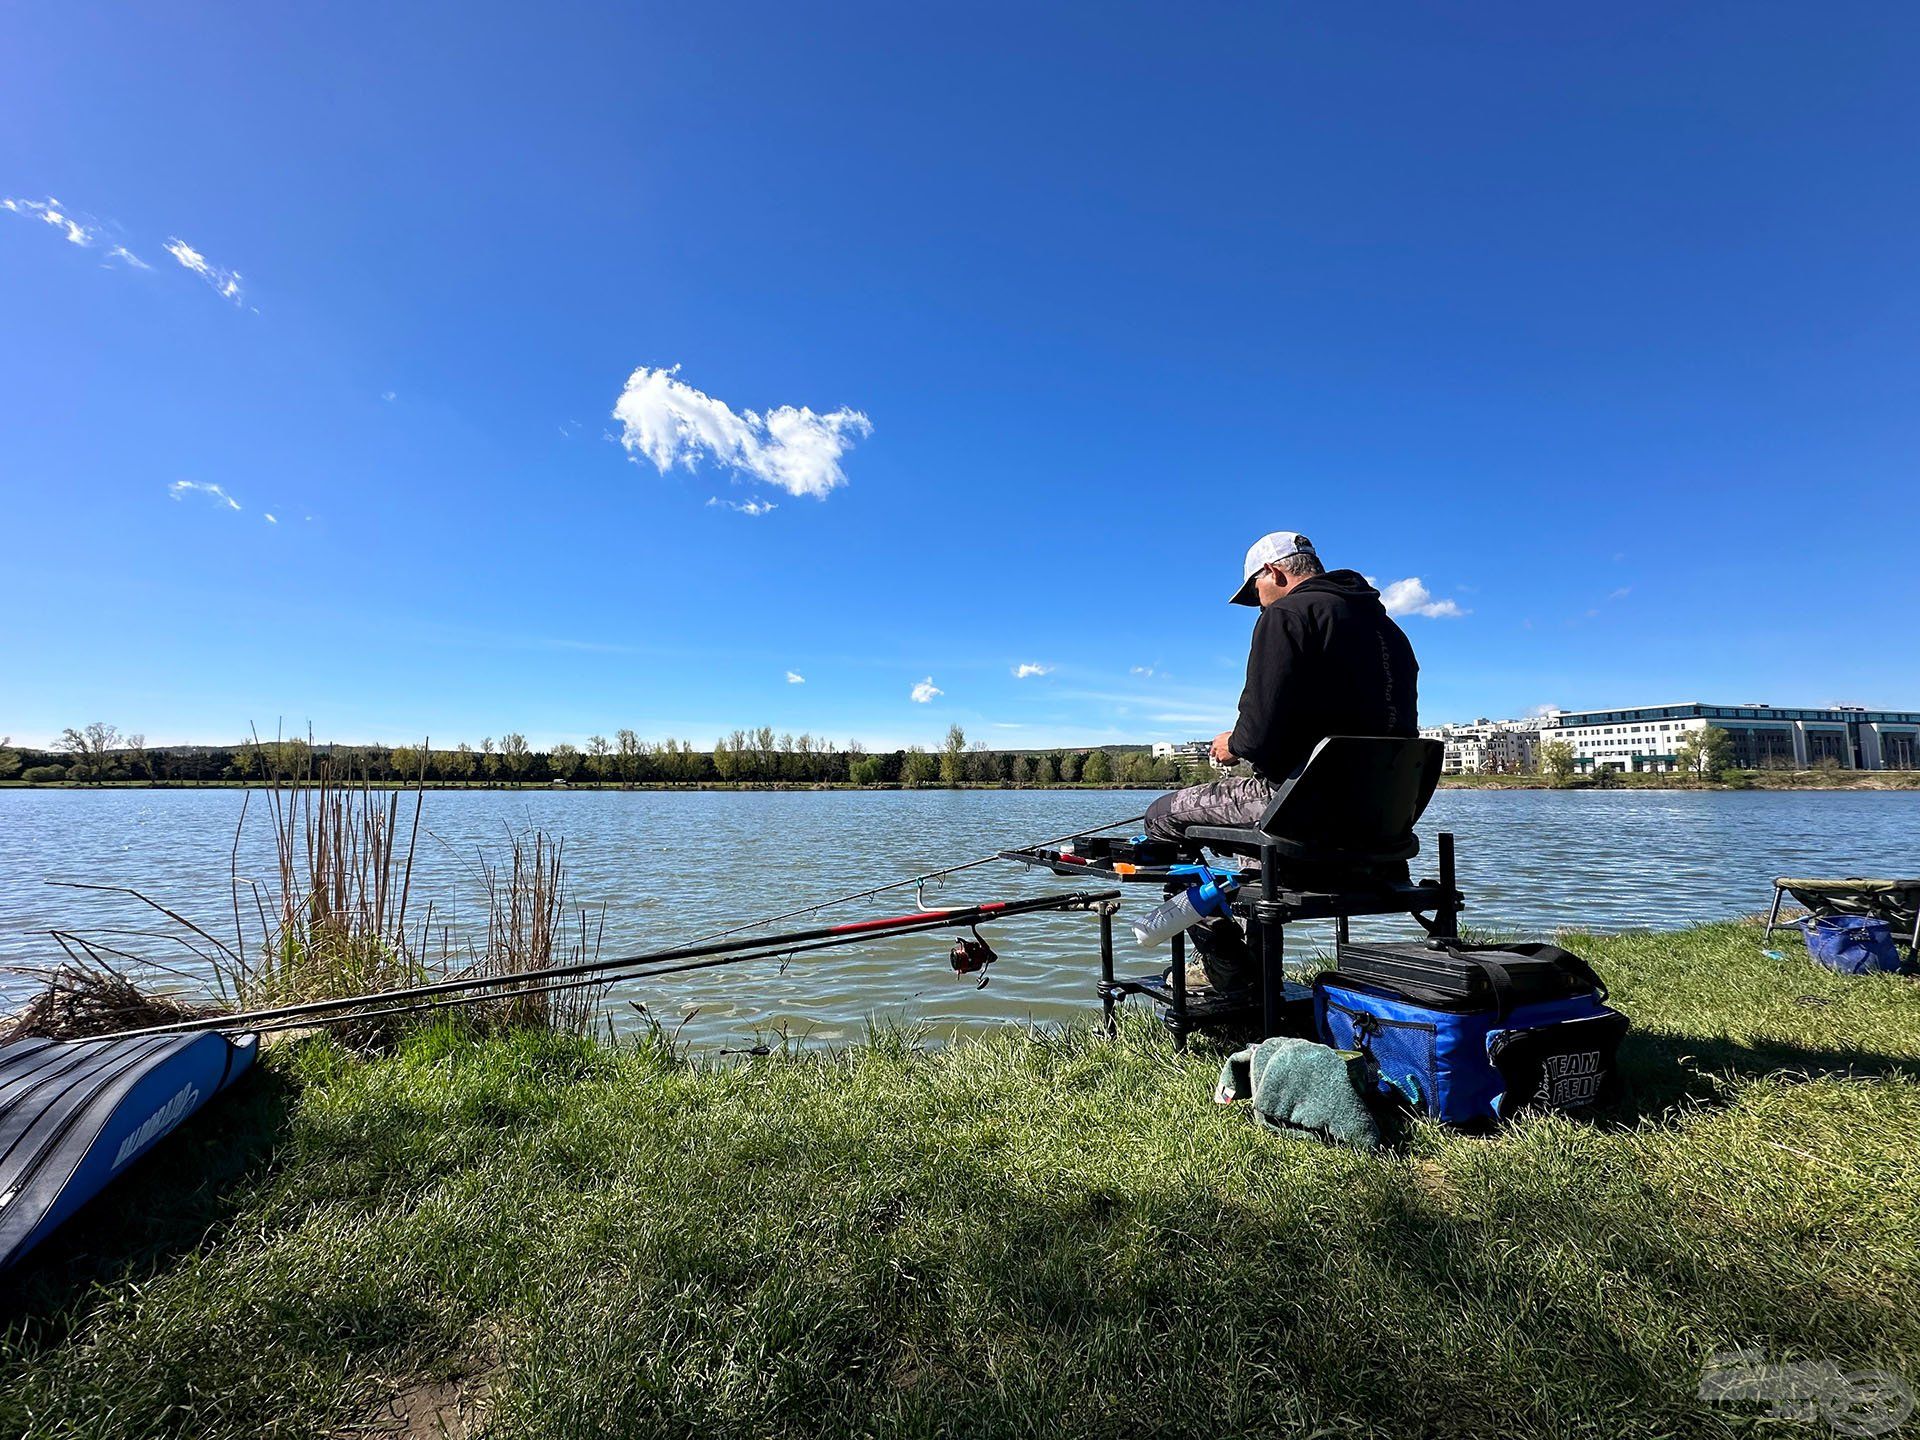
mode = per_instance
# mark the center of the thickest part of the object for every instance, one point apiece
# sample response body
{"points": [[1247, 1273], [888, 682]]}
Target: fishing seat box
{"points": [[1472, 1034]]}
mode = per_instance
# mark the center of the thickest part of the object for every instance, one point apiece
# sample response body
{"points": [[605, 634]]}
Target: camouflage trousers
{"points": [[1235, 800]]}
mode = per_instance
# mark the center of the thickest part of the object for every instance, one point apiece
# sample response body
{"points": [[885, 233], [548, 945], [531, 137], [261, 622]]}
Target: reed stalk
{"points": [[532, 925]]}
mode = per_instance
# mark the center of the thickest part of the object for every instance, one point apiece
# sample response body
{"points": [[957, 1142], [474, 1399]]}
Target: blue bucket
{"points": [[1851, 944]]}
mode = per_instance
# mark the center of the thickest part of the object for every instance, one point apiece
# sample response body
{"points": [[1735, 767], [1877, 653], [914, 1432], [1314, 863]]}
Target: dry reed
{"points": [[532, 926], [80, 998]]}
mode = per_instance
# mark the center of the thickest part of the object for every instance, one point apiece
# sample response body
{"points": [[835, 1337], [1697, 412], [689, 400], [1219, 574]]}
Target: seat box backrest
{"points": [[1357, 794]]}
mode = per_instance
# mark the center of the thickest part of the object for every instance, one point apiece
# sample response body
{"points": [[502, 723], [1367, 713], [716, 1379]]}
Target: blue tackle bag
{"points": [[1480, 1059], [1851, 944]]}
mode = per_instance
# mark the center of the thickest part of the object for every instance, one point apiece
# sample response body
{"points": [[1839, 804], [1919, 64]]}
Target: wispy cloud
{"points": [[1029, 670], [1593, 612], [388, 396], [748, 507], [226, 282], [1411, 597], [85, 233], [51, 212], [180, 489], [272, 519], [665, 420], [794, 677], [1144, 671], [925, 691]]}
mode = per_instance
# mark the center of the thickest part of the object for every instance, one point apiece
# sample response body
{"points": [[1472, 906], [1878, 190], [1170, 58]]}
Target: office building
{"points": [[1765, 737]]}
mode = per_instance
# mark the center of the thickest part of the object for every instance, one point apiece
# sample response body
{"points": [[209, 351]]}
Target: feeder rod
{"points": [[839, 934], [782, 953]]}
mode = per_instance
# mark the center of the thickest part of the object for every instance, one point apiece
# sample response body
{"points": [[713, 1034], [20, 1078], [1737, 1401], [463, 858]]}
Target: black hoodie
{"points": [[1326, 660]]}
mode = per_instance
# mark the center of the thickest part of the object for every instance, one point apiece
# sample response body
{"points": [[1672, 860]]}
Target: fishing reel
{"points": [[969, 956]]}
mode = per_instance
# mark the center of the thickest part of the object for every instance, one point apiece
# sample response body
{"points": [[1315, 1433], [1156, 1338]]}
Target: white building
{"points": [[1486, 747], [1185, 752], [1764, 736]]}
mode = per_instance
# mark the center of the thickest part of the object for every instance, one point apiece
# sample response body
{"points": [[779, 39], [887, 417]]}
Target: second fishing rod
{"points": [[659, 962]]}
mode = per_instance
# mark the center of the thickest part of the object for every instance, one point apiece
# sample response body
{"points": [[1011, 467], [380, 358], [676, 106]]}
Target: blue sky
{"points": [[1599, 322]]}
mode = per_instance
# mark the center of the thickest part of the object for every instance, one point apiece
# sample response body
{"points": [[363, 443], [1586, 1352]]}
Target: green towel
{"points": [[1299, 1086]]}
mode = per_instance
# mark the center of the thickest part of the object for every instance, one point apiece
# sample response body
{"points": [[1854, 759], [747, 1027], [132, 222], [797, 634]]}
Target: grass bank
{"points": [[1032, 1235]]}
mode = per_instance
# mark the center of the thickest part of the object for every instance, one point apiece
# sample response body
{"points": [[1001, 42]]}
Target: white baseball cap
{"points": [[1268, 550]]}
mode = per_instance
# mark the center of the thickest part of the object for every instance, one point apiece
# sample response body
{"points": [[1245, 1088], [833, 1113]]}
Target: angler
{"points": [[1326, 659]]}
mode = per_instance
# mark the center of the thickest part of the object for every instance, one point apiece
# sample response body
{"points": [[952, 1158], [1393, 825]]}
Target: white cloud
{"points": [[1029, 670], [180, 489], [667, 421], [925, 691], [49, 212], [1621, 593], [1145, 671], [1411, 597], [388, 396], [750, 507], [794, 677], [76, 232], [272, 519], [226, 282]]}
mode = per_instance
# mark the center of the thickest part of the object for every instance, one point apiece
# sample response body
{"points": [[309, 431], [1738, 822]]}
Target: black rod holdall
{"points": [[1456, 975]]}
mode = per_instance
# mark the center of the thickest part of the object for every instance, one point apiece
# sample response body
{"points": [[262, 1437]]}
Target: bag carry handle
{"points": [[1532, 950], [1501, 980]]}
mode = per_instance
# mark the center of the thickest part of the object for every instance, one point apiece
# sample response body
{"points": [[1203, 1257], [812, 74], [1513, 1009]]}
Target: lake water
{"points": [[671, 866]]}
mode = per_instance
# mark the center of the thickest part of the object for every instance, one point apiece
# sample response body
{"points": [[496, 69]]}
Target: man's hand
{"points": [[1221, 752]]}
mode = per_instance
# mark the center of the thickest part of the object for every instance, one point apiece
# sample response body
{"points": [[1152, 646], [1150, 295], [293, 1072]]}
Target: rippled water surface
{"points": [[667, 867]]}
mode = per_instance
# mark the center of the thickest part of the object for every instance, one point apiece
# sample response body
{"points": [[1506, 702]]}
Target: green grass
{"points": [[1033, 1235]]}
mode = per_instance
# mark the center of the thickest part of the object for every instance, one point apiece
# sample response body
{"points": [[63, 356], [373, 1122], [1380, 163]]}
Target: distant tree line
{"points": [[99, 753]]}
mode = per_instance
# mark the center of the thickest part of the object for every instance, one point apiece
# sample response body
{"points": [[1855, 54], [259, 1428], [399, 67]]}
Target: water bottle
{"points": [[1179, 912], [1166, 920]]}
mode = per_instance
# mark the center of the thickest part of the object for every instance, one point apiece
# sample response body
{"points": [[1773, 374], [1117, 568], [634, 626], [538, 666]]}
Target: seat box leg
{"points": [[1449, 916], [1107, 992], [1178, 1014], [1270, 944]]}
